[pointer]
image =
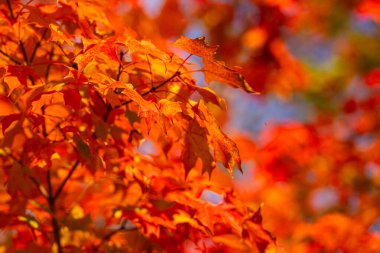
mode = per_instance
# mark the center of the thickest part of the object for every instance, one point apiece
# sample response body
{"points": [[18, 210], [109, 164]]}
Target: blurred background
{"points": [[310, 140]]}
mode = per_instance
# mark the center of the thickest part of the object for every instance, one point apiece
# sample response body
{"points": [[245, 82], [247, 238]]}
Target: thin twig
{"points": [[120, 67], [10, 9], [44, 133], [23, 7], [50, 188], [21, 44], [54, 221], [24, 52], [60, 188], [120, 70], [10, 57], [150, 69], [38, 44], [113, 232], [51, 54], [63, 51], [26, 170], [154, 88]]}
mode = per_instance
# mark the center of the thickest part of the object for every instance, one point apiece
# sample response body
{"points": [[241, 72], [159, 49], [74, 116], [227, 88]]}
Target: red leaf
{"points": [[373, 78], [7, 120], [195, 146], [72, 98], [225, 150]]}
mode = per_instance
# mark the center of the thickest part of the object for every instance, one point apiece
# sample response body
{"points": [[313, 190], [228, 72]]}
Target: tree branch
{"points": [[153, 89], [44, 133], [54, 221], [120, 67], [60, 188], [24, 52], [21, 44], [38, 44], [51, 54], [10, 9], [108, 236], [10, 57], [52, 200], [26, 170], [56, 231]]}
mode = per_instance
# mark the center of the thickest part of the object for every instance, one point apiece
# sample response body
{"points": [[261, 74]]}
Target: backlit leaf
{"points": [[213, 70]]}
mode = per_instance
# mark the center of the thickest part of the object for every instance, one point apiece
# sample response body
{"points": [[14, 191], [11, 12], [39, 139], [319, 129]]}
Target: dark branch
{"points": [[38, 44], [60, 188], [108, 236], [21, 44], [51, 54], [10, 57], [56, 232], [44, 133], [50, 189], [65, 54], [54, 221], [153, 89], [150, 69], [24, 52], [10, 10], [30, 176], [120, 67]]}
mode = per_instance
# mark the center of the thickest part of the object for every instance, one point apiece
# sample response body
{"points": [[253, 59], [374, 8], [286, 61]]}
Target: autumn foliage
{"points": [[114, 118]]}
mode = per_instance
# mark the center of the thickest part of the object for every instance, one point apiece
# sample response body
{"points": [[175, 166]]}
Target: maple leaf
{"points": [[72, 98], [6, 106], [195, 146], [98, 124], [213, 70], [145, 107], [225, 150], [210, 96], [107, 48], [59, 36], [21, 73], [169, 108]]}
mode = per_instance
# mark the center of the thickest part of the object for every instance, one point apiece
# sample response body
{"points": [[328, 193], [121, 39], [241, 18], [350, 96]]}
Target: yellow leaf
{"points": [[77, 212], [34, 224], [117, 213]]}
